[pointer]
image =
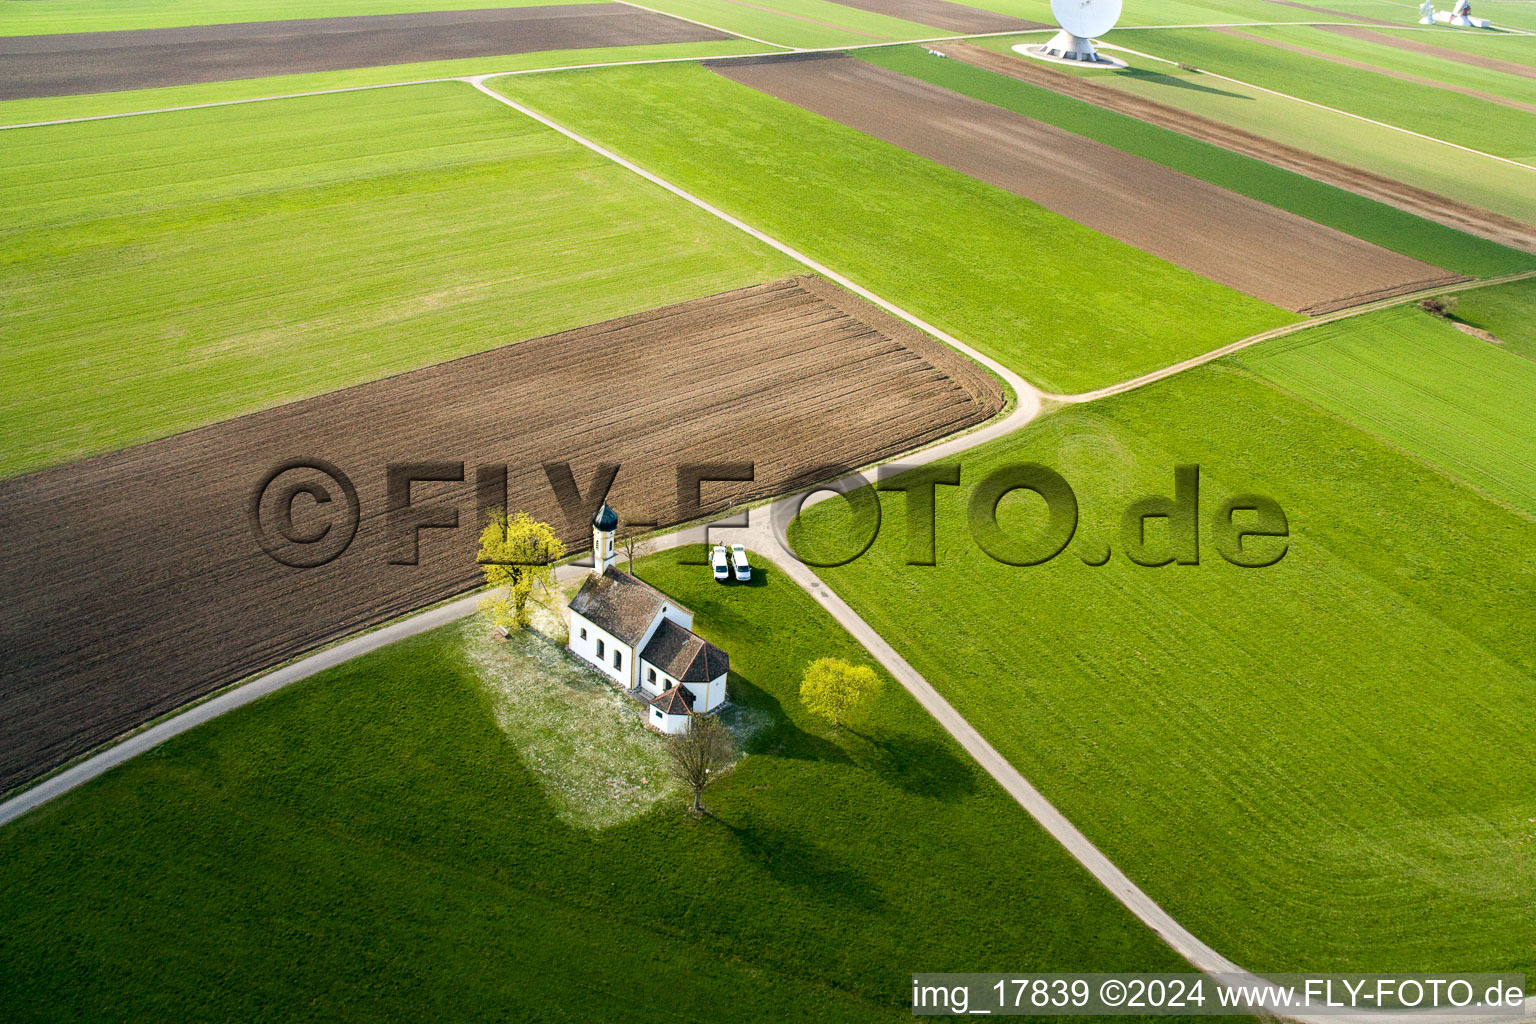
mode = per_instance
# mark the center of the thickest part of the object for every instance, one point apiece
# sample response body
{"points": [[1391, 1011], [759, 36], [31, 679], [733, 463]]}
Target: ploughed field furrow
{"points": [[89, 62], [1430, 205], [135, 581], [1229, 238]]}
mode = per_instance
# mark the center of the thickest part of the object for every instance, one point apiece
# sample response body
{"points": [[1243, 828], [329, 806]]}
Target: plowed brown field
{"points": [[134, 582], [73, 63], [1426, 204], [1240, 242]]}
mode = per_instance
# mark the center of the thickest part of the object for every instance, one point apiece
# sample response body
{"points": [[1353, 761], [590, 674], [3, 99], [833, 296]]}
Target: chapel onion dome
{"points": [[606, 519]]}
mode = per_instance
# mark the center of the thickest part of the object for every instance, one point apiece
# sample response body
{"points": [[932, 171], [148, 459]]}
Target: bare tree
{"points": [[700, 754], [633, 542]]}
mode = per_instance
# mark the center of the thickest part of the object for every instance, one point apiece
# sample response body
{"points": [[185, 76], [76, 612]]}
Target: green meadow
{"points": [[370, 844], [1323, 764], [1425, 109], [1462, 404], [1375, 222], [29, 19], [167, 271], [1507, 311], [1480, 181], [972, 259]]}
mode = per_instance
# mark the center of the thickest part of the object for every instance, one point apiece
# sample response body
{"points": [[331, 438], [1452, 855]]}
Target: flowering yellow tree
{"points": [[834, 688], [518, 555]]}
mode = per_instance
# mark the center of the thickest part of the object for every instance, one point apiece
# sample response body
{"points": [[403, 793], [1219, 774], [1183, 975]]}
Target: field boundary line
{"points": [[225, 103], [1280, 332], [634, 62], [1331, 110], [1026, 394]]}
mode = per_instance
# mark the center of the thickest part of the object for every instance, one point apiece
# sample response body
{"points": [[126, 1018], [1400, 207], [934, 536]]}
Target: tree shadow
{"points": [[795, 862], [920, 765], [781, 737], [1177, 82]]}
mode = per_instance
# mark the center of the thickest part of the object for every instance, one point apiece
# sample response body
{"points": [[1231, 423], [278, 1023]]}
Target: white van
{"points": [[718, 562]]}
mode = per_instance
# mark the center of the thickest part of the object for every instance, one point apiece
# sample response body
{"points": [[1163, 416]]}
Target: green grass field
{"points": [[1465, 120], [1506, 311], [1479, 181], [1392, 58], [27, 19], [97, 104], [369, 845], [1323, 764], [974, 260], [168, 271], [1459, 403], [1375, 222]]}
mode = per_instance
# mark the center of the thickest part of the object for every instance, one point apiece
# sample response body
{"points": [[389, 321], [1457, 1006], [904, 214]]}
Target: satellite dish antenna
{"points": [[1081, 21]]}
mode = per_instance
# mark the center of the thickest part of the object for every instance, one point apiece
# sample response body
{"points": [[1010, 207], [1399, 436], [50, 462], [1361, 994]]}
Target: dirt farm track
{"points": [[66, 65], [136, 582]]}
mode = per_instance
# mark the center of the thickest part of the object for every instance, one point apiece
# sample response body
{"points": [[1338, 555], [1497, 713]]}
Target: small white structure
{"points": [[604, 525], [643, 640], [1081, 21], [1461, 16]]}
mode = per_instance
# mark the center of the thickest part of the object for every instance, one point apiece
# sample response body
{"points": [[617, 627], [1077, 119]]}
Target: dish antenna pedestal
{"points": [[1081, 21]]}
